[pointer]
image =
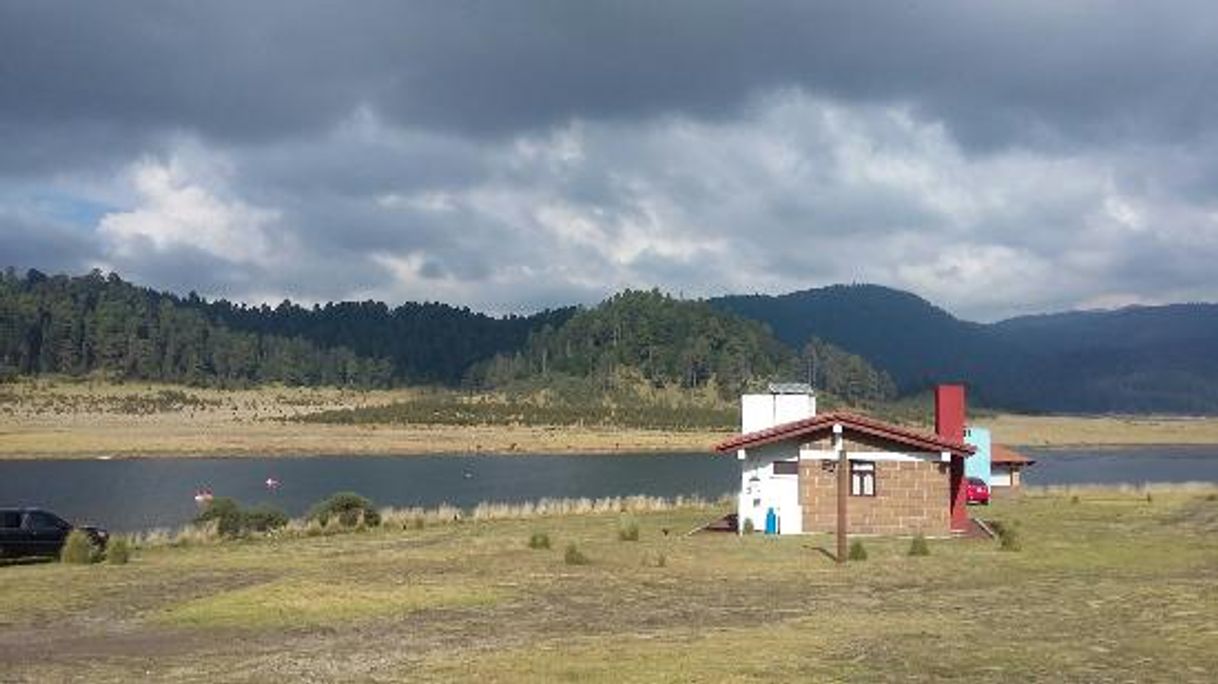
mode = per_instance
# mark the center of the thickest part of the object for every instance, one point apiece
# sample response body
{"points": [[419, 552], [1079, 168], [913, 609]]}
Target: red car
{"points": [[976, 491]]}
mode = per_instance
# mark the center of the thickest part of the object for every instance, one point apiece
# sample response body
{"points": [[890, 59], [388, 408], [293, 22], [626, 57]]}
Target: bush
{"points": [[233, 521], [748, 526], [348, 509], [118, 551], [79, 549], [224, 513], [857, 551], [628, 529], [263, 519], [539, 540], [573, 556], [1008, 537], [919, 547]]}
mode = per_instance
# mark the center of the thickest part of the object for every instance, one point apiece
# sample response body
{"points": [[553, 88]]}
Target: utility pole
{"points": [[843, 488]]}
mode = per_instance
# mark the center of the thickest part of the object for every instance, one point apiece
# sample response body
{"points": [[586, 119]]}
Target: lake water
{"points": [[143, 493]]}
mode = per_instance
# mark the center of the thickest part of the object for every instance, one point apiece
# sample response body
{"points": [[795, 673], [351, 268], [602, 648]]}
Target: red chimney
{"points": [[949, 425], [949, 412]]}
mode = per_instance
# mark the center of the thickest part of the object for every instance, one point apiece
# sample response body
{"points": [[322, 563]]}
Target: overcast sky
{"points": [[997, 158]]}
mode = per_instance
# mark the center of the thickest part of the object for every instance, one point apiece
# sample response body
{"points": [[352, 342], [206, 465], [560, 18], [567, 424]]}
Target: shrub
{"points": [[539, 540], [347, 508], [1074, 499], [1008, 536], [857, 551], [628, 529], [573, 556], [748, 526], [118, 551], [79, 549], [263, 519], [233, 521], [919, 547], [224, 513]]}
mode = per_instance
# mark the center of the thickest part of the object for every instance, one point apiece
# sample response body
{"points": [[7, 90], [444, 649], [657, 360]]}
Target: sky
{"points": [[996, 158]]}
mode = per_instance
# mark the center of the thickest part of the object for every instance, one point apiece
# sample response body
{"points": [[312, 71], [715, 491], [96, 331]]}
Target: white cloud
{"points": [[184, 202]]}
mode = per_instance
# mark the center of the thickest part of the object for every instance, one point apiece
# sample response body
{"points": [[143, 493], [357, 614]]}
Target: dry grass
{"points": [[1112, 588], [1068, 431], [88, 419], [57, 418]]}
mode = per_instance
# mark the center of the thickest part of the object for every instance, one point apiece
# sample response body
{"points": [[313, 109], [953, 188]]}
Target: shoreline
{"points": [[58, 420]]}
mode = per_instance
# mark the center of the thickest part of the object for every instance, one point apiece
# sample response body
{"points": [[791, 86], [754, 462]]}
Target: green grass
{"points": [[1109, 589], [317, 602]]}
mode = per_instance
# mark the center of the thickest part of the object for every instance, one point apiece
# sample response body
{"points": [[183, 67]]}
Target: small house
{"points": [[1006, 466], [800, 469]]}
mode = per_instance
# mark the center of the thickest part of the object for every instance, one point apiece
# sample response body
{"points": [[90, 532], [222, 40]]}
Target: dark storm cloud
{"points": [[234, 70], [33, 242]]}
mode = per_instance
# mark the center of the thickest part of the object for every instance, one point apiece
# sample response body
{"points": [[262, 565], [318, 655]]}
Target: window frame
{"points": [[862, 473]]}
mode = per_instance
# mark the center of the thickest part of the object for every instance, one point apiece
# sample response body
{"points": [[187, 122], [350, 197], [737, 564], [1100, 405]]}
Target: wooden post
{"points": [[843, 488]]}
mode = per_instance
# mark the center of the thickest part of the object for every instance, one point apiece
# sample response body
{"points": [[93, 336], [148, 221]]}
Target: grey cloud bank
{"points": [[996, 158]]}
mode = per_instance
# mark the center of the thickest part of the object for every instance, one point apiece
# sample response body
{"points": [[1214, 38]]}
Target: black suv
{"points": [[35, 532]]}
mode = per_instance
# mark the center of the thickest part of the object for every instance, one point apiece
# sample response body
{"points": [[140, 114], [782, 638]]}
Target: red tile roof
{"points": [[1002, 454], [809, 428]]}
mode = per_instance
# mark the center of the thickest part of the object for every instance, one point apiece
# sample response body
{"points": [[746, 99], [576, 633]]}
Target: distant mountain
{"points": [[1139, 359]]}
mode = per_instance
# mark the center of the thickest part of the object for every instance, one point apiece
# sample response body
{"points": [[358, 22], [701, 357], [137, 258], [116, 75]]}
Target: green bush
{"points": [[79, 549], [263, 518], [233, 521], [347, 508], [225, 513], [118, 551], [539, 540], [748, 526], [1008, 536], [628, 529], [919, 547], [573, 556], [857, 551]]}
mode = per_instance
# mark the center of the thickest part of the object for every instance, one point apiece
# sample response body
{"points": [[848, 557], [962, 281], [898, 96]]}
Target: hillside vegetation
{"points": [[96, 323], [634, 347]]}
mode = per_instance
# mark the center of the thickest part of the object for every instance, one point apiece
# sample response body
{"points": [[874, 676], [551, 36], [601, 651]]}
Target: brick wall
{"points": [[911, 497]]}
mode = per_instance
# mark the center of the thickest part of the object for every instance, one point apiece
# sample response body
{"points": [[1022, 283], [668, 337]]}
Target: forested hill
{"points": [[673, 343], [78, 325], [1138, 359]]}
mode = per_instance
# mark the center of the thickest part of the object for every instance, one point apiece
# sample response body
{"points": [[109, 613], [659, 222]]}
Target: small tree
{"points": [[348, 508], [628, 529], [573, 556], [118, 551], [539, 540], [857, 551], [79, 549], [919, 547]]}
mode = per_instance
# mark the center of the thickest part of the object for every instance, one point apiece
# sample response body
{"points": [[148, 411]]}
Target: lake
{"points": [[153, 492]]}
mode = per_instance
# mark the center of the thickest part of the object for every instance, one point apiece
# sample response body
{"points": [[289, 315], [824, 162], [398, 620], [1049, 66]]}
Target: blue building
{"points": [[978, 465]]}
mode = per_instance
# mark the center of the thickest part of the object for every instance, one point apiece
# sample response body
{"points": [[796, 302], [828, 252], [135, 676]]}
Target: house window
{"points": [[862, 478], [786, 467]]}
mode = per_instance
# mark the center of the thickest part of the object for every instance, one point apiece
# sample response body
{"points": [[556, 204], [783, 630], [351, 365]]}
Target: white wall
{"points": [[1000, 477], [761, 489], [761, 411]]}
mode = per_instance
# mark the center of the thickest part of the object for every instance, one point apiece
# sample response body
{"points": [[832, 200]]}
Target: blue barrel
{"points": [[771, 522]]}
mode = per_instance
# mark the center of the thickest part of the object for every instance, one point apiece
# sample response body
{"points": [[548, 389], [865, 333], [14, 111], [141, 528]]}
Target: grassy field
{"points": [[61, 419], [1109, 586], [84, 419]]}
